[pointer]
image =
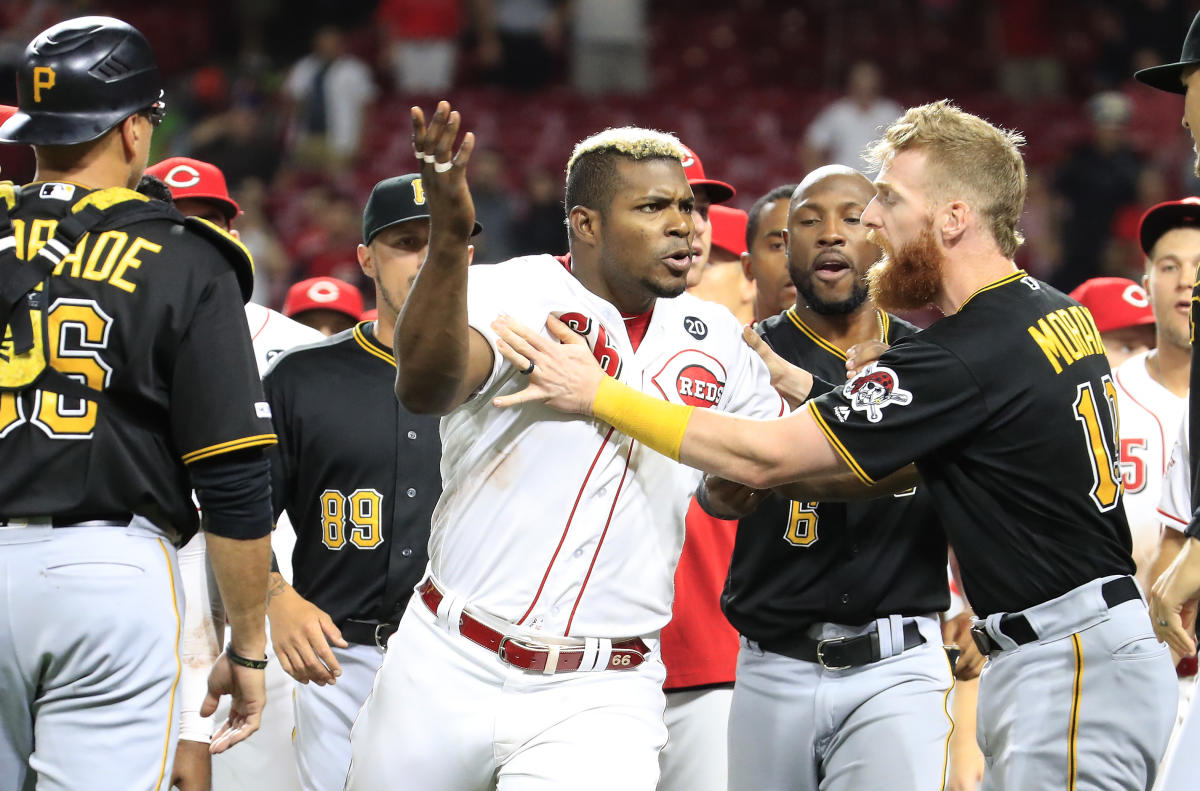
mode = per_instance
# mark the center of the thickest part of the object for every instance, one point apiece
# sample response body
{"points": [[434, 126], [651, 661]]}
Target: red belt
{"points": [[626, 654]]}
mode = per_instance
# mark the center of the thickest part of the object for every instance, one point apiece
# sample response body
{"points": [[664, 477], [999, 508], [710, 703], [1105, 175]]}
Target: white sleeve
{"points": [[203, 626], [1175, 507], [496, 289], [749, 392], [821, 131]]}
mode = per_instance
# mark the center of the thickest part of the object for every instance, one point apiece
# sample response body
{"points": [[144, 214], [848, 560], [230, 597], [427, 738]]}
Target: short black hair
{"points": [[593, 179], [156, 188], [776, 193]]}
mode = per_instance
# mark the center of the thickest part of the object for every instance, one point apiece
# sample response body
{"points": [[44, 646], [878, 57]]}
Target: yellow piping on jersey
{"points": [[950, 717], [231, 445], [1073, 728], [178, 667], [839, 447], [370, 347], [815, 337], [1020, 273]]}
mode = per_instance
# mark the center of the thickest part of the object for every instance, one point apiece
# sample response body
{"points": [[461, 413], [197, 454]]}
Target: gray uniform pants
{"points": [[89, 658], [795, 726], [1088, 706]]}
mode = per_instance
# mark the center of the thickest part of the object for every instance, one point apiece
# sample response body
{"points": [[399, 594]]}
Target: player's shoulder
{"points": [[897, 327], [272, 333], [301, 359], [715, 319], [521, 269], [1132, 375]]}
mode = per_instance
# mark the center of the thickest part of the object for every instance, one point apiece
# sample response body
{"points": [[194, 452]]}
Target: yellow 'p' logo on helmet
{"points": [[43, 79]]}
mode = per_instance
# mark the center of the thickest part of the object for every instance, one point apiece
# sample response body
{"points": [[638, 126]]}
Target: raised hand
{"points": [[443, 171]]}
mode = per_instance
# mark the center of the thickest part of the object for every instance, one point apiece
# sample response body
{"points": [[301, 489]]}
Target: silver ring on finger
{"points": [[442, 167], [1161, 622], [529, 370]]}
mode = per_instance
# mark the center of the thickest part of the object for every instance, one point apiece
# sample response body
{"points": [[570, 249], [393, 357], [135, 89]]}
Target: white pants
{"points": [[795, 726], [448, 715], [1089, 706], [324, 716], [1181, 766], [89, 658], [697, 751]]}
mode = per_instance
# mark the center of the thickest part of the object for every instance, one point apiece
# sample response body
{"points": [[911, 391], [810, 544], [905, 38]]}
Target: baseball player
{"points": [[1152, 387], [842, 682], [528, 658], [724, 280], [1121, 310], [1005, 406], [265, 760], [698, 647], [123, 385], [359, 477], [324, 303], [765, 259]]}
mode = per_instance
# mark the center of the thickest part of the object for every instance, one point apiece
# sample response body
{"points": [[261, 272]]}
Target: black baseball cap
{"points": [[1166, 217], [1166, 76], [396, 200]]}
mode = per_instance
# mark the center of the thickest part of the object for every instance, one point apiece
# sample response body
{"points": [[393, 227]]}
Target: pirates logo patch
{"points": [[874, 389]]}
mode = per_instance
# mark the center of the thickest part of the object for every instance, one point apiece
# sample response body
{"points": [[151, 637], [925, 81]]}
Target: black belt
{"points": [[369, 632], [840, 653], [72, 521], [1017, 628]]}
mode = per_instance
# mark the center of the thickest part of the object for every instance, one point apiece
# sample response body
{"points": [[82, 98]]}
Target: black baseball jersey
{"points": [[149, 313], [1009, 410], [799, 563], [356, 472]]}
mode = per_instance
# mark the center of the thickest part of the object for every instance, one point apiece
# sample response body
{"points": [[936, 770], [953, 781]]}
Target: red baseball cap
{"points": [[369, 315], [6, 112], [729, 228], [323, 293], [1115, 302], [718, 191], [191, 178], [1166, 217]]}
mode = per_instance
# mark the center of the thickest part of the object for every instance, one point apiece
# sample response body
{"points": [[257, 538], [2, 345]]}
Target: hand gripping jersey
{"points": [[558, 523], [147, 366], [355, 471], [1008, 408], [1150, 415], [799, 563]]}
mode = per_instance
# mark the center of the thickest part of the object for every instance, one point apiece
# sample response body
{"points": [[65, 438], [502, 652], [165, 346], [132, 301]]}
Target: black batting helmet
{"points": [[80, 78]]}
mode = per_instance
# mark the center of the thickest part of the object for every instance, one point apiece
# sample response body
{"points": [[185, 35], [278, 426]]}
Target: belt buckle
{"points": [[821, 653], [500, 648], [380, 640], [983, 641]]}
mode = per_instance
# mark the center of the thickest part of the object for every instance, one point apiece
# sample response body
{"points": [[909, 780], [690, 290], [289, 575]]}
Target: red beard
{"points": [[908, 279]]}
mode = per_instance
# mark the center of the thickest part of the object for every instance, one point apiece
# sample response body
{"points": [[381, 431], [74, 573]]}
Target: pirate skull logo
{"points": [[875, 388]]}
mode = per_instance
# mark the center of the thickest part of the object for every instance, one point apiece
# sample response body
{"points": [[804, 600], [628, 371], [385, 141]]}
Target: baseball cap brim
{"points": [[227, 205], [478, 229], [60, 129], [718, 191], [1167, 77], [1165, 217]]}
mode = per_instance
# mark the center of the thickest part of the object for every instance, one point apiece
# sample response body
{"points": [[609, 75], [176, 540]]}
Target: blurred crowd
{"points": [[303, 105]]}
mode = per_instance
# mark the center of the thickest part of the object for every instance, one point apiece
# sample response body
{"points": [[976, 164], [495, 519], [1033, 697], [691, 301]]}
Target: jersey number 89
{"points": [[362, 509]]}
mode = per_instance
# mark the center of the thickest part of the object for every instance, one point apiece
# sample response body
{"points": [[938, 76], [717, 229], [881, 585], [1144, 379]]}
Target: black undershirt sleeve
{"points": [[234, 490]]}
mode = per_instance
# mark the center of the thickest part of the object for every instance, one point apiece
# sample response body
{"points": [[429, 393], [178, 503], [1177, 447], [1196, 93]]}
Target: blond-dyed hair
{"points": [[631, 141], [966, 158]]}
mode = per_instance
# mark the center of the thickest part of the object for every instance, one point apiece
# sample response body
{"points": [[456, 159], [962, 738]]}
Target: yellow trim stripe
{"points": [[838, 446], [950, 717], [794, 317], [162, 772], [370, 347], [1020, 273], [1073, 729], [231, 445], [885, 325]]}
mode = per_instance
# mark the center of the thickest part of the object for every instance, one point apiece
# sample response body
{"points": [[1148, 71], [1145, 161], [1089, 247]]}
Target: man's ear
{"points": [[585, 225], [746, 269], [954, 221], [366, 261], [470, 254], [130, 135]]}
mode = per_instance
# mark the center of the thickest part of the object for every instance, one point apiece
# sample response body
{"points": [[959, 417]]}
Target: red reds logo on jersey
{"points": [[693, 378], [874, 389]]}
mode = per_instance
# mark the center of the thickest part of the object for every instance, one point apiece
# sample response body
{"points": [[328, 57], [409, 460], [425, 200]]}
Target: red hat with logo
{"points": [[1115, 302], [1166, 217], [323, 293], [718, 191], [6, 112], [192, 179], [729, 228]]}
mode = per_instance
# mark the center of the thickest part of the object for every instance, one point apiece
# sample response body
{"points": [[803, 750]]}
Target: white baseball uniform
{"points": [[551, 528], [1149, 417], [265, 760]]}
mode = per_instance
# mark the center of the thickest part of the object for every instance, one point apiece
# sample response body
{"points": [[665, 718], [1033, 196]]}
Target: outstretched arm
{"points": [[758, 453], [440, 360]]}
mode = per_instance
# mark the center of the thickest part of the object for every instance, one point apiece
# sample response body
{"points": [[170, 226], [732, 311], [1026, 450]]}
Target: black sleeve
{"points": [[916, 399], [217, 404], [234, 491]]}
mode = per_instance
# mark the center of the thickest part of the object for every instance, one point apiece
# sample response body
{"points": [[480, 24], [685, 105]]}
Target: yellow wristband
{"points": [[654, 422]]}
